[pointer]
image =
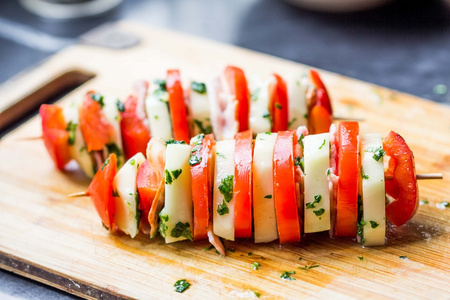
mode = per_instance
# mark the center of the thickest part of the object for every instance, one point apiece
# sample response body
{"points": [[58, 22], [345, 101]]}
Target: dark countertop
{"points": [[404, 46]]}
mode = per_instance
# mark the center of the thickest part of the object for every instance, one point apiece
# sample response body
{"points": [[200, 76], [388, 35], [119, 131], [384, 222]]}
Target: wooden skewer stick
{"points": [[340, 118], [422, 176], [78, 194], [29, 138]]}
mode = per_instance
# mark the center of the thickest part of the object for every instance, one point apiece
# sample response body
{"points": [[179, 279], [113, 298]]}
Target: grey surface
{"points": [[404, 46]]}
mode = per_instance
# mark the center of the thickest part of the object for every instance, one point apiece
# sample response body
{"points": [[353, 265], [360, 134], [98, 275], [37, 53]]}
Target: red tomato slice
{"points": [[97, 131], [178, 112], [280, 106], [101, 191], [322, 94], [238, 87], [284, 188], [56, 138], [201, 186], [135, 134], [403, 187], [319, 120], [147, 182], [243, 184], [345, 213]]}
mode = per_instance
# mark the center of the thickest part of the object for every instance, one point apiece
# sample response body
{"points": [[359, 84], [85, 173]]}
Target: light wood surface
{"points": [[60, 241]]}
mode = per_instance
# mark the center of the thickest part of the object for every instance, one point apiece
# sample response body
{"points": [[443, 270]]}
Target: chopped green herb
{"points": [[98, 98], [168, 177], [305, 116], [377, 152], [257, 294], [291, 122], [226, 187], [113, 148], [403, 257], [83, 149], [319, 212], [120, 106], [374, 224], [250, 254], [231, 250], [172, 141], [199, 87], [181, 285], [323, 144], [361, 258], [156, 117], [132, 162], [161, 84], [278, 105], [205, 130], [422, 202], [268, 196], [163, 219], [71, 128], [307, 268], [255, 94], [445, 204], [182, 230], [171, 176], [286, 275], [138, 211], [220, 155], [222, 209], [300, 258], [194, 160], [302, 164], [297, 161], [328, 171], [255, 265], [105, 163], [360, 224], [317, 199], [266, 115], [208, 248], [364, 176], [115, 193]]}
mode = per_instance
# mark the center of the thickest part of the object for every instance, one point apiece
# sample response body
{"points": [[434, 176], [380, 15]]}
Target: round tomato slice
{"points": [[280, 106], [243, 160], [322, 94], [96, 129], [101, 191], [147, 182], [345, 213], [178, 112], [284, 188], [135, 134], [201, 167], [56, 138], [237, 82], [403, 186]]}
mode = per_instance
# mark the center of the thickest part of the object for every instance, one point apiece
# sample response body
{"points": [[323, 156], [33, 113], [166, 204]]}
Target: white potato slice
{"points": [[115, 144], [177, 213], [199, 109], [317, 193], [157, 108], [297, 84], [127, 216], [265, 220], [373, 192], [223, 202], [260, 119]]}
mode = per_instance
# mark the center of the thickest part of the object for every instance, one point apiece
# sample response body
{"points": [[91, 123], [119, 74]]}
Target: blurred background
{"points": [[400, 44]]}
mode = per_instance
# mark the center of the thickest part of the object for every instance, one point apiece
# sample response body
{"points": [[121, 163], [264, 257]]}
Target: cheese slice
{"points": [[115, 144], [259, 116], [265, 220], [127, 216], [157, 108], [200, 112], [77, 147], [177, 213], [297, 85], [373, 192], [317, 193], [223, 205]]}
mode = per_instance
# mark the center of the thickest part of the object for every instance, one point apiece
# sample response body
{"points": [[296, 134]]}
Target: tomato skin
{"points": [[238, 87], [96, 129], [348, 169], [101, 191], [243, 184], [280, 106], [319, 120], [322, 94], [147, 182], [201, 189], [178, 111], [284, 188], [56, 138], [135, 134], [403, 187]]}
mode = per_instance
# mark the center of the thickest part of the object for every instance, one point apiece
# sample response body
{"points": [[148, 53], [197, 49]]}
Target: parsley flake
{"points": [[286, 275], [181, 285], [377, 152], [182, 230], [256, 265], [198, 87], [374, 224]]}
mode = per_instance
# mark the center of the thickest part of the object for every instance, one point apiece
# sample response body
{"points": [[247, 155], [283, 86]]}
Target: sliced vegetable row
{"points": [[278, 186], [90, 129]]}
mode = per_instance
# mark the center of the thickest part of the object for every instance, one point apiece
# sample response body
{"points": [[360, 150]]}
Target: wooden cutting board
{"points": [[60, 241]]}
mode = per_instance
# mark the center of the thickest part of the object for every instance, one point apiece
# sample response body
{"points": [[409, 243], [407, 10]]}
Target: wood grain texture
{"points": [[60, 241]]}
